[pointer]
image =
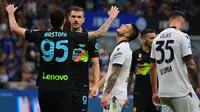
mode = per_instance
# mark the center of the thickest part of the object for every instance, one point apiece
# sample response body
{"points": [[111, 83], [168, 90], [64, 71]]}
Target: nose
{"points": [[76, 19]]}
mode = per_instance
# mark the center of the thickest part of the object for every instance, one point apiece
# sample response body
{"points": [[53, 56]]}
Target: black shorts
{"points": [[143, 103], [54, 100], [80, 100]]}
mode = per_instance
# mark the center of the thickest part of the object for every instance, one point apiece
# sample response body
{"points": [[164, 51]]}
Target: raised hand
{"points": [[11, 9], [113, 12]]}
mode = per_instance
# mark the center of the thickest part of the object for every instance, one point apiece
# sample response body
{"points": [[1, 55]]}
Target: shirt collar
{"points": [[122, 41], [173, 27]]}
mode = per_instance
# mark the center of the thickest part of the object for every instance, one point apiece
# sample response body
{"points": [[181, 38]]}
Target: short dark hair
{"points": [[57, 17], [176, 13], [76, 8], [135, 32], [145, 31]]}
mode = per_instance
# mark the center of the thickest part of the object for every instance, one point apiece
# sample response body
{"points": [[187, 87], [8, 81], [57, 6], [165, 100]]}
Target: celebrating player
{"points": [[56, 47], [82, 54]]}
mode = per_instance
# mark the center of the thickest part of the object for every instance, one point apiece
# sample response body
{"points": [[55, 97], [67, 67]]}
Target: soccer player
{"points": [[115, 86], [82, 54], [141, 67], [171, 61], [56, 47]]}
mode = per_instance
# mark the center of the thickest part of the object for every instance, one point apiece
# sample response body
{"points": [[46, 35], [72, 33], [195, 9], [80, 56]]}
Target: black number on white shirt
{"points": [[162, 51]]}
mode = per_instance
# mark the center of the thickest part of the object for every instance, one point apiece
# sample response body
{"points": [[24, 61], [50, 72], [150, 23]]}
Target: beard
{"points": [[119, 34], [76, 25], [148, 45]]}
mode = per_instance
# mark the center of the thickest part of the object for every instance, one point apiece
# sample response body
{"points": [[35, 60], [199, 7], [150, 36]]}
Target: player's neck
{"points": [[77, 30], [146, 48], [120, 39], [176, 25]]}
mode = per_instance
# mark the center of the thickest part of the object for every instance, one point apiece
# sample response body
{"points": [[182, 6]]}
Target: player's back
{"points": [[56, 47], [170, 48]]}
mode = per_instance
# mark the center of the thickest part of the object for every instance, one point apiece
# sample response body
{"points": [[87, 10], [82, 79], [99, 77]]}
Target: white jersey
{"points": [[169, 50], [121, 55]]}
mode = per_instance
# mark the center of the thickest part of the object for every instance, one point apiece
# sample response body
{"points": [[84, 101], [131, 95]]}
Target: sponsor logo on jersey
{"points": [[81, 45], [80, 55], [142, 69], [54, 77], [118, 54]]}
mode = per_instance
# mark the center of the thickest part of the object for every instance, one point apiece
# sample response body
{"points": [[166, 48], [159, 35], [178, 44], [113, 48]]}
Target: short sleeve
{"points": [[93, 49], [185, 45], [134, 60], [32, 35], [152, 57], [119, 57], [79, 38]]}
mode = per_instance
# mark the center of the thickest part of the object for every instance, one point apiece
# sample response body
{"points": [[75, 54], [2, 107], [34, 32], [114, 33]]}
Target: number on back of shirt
{"points": [[162, 48], [48, 54]]}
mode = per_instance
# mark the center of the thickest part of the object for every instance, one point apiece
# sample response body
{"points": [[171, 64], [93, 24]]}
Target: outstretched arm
{"points": [[104, 28], [12, 22]]}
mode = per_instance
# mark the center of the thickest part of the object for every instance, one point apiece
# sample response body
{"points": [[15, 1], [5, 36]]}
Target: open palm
{"points": [[113, 12], [11, 8]]}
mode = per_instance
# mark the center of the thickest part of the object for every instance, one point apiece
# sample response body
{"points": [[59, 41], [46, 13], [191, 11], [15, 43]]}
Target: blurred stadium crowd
{"points": [[19, 60]]}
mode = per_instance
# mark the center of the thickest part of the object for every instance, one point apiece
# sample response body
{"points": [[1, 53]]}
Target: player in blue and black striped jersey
{"points": [[56, 47]]}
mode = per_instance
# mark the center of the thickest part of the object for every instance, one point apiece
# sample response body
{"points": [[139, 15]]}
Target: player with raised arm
{"points": [[56, 47], [171, 62], [82, 55], [115, 86]]}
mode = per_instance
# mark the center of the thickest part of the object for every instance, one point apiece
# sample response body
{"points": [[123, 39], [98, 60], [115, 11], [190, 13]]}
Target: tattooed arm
{"points": [[104, 28], [113, 78]]}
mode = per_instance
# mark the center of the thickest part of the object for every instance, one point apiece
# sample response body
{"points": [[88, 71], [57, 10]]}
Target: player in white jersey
{"points": [[171, 60], [115, 86]]}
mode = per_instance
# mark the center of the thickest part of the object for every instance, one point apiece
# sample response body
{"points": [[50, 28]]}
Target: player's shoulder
{"points": [[124, 46], [137, 51], [181, 33], [92, 43], [35, 30]]}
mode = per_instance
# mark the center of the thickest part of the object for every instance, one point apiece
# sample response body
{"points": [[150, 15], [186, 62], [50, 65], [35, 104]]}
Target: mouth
{"points": [[75, 24]]}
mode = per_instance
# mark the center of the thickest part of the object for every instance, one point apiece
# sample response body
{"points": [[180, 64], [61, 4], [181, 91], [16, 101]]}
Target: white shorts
{"points": [[189, 103], [115, 105]]}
